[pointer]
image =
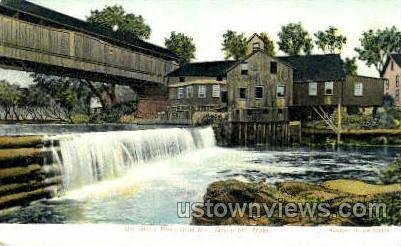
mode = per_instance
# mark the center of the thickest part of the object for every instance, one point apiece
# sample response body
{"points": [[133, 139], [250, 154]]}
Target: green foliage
{"points": [[71, 94], [128, 119], [36, 97], [234, 45], [388, 116], [268, 44], [388, 101], [115, 16], [208, 118], [392, 173], [80, 119], [350, 66], [10, 95], [115, 113], [182, 45], [361, 122], [329, 41], [294, 40], [375, 45]]}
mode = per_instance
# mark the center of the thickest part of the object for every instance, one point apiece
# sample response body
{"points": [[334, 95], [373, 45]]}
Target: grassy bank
{"points": [[353, 137]]}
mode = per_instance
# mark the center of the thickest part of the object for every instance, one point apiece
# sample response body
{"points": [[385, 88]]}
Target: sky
{"points": [[207, 20]]}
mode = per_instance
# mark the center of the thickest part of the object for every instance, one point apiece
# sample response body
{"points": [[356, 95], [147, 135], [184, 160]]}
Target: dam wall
{"points": [[36, 167], [27, 171]]}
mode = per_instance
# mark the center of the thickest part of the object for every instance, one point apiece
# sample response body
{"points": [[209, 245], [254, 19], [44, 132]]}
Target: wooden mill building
{"points": [[256, 92], [320, 81], [260, 89], [200, 86]]}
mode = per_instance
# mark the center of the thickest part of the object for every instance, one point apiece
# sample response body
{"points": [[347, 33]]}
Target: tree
{"points": [[350, 66], [181, 45], [116, 19], [72, 94], [234, 45], [10, 95], [375, 45], [330, 40], [294, 39], [268, 44]]}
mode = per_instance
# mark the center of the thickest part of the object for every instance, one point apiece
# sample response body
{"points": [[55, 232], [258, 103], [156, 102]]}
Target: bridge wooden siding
{"points": [[25, 41]]}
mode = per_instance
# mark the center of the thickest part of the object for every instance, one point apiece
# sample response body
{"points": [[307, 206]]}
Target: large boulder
{"points": [[330, 195]]}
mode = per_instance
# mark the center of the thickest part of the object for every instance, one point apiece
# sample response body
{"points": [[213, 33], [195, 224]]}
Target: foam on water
{"points": [[92, 157]]}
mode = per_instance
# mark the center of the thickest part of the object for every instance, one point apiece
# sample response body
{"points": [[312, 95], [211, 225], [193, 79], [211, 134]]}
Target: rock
{"points": [[356, 187], [331, 195]]}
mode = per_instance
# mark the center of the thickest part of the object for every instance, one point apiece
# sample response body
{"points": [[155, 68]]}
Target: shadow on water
{"points": [[44, 211]]}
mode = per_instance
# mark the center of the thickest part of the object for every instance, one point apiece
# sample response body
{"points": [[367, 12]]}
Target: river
{"points": [[139, 176]]}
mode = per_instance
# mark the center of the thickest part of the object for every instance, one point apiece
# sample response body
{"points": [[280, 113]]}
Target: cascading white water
{"points": [[90, 157]]}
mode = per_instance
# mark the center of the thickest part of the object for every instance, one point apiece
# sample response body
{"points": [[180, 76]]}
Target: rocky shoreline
{"points": [[333, 194]]}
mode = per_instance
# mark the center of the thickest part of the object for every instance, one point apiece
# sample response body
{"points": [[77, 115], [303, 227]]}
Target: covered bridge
{"points": [[38, 39]]}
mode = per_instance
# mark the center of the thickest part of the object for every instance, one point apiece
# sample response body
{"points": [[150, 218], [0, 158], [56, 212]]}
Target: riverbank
{"points": [[352, 137], [286, 203]]}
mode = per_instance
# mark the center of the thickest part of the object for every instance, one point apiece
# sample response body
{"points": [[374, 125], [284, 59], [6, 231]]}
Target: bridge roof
{"points": [[71, 23]]}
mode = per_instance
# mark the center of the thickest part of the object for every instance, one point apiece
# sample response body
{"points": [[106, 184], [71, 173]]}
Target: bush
{"points": [[392, 173], [389, 117], [128, 119], [115, 113], [80, 119], [208, 118]]}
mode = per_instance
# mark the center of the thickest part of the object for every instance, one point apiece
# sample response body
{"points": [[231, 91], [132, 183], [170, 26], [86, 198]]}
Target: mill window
{"points": [[312, 90], [328, 88], [216, 91], [190, 91], [202, 91], [244, 69], [242, 93], [256, 46], [259, 92], [180, 93], [273, 67], [280, 91], [358, 89]]}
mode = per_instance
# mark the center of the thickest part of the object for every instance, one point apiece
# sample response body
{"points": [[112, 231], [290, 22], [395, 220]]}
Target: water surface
{"points": [[148, 193]]}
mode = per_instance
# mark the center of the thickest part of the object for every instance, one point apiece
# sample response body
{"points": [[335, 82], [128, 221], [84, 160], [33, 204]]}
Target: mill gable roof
{"points": [[316, 67]]}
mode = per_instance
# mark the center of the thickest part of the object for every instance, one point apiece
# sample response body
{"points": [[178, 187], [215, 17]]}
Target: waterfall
{"points": [[91, 157]]}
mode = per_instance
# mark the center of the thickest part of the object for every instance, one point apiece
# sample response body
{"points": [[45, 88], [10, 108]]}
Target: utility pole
{"points": [[339, 124]]}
